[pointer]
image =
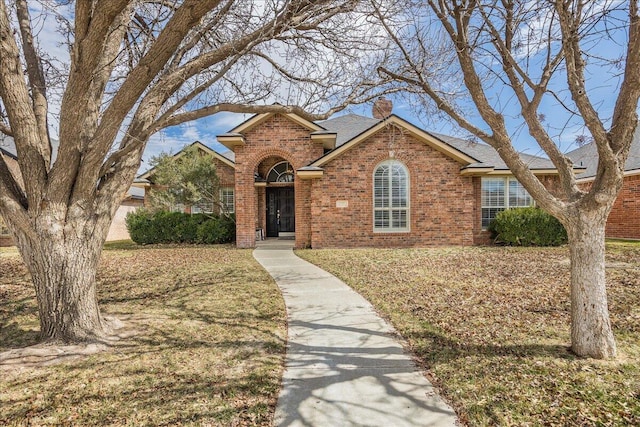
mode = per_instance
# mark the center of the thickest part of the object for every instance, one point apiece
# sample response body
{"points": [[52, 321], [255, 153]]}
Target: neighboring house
{"points": [[624, 219], [225, 169], [359, 181], [133, 199]]}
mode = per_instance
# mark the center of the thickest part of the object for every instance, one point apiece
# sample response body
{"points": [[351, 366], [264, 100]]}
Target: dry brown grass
{"points": [[491, 325], [208, 347]]}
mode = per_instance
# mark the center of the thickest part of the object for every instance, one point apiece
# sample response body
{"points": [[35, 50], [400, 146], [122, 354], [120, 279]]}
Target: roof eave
{"points": [[328, 139], [231, 140]]}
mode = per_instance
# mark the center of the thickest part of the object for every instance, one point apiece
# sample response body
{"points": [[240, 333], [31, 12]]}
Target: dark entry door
{"points": [[280, 210]]}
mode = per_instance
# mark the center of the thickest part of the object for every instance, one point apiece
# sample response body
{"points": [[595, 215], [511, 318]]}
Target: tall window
{"points": [[499, 194], [227, 199], [391, 197]]}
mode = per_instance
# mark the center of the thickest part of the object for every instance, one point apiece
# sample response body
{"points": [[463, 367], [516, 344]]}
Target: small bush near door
{"points": [[527, 227], [147, 227]]}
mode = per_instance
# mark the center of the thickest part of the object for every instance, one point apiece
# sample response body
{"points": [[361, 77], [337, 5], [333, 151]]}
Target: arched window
{"points": [[391, 197], [282, 172]]}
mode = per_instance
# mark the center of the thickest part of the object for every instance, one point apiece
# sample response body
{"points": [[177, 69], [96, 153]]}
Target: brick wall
{"points": [[226, 174], [441, 200], [624, 219]]}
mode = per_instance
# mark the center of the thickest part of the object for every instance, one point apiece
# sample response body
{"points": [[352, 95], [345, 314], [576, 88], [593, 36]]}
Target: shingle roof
{"points": [[587, 156], [351, 125], [487, 156], [348, 126], [228, 154]]}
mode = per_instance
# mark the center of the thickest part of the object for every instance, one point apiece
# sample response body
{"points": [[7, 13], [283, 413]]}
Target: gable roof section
{"points": [[477, 157], [226, 159], [372, 129], [255, 120], [235, 137], [587, 156], [348, 126]]}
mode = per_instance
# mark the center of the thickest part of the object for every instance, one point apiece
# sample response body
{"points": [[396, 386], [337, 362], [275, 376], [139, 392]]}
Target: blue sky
{"points": [[602, 85]]}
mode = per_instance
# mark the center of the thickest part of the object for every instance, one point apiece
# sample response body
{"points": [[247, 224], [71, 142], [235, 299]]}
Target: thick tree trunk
{"points": [[591, 334], [63, 270]]}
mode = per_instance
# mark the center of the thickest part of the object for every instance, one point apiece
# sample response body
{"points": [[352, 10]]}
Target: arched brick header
{"points": [[254, 161]]}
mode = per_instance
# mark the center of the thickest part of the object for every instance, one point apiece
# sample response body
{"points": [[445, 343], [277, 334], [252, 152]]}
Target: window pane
{"points": [[381, 219], [399, 219], [489, 214], [493, 192], [518, 195], [381, 187]]}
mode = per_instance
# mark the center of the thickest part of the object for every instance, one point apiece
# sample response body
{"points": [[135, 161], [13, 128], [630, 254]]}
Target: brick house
{"points": [[356, 181], [225, 168], [624, 219]]}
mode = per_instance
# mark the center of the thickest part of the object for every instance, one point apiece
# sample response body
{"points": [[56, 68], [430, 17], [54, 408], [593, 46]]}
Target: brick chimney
{"points": [[382, 108]]}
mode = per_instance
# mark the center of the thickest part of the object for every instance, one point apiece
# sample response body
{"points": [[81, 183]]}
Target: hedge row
{"points": [[147, 227], [527, 227]]}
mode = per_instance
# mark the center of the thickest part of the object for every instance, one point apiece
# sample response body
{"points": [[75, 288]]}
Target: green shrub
{"points": [[147, 227], [219, 230], [141, 227], [527, 227]]}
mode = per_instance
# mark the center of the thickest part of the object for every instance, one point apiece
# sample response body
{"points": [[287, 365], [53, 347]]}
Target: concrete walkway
{"points": [[345, 365]]}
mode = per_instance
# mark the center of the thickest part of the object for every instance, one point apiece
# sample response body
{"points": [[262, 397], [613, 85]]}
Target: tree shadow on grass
{"points": [[435, 348], [158, 377]]}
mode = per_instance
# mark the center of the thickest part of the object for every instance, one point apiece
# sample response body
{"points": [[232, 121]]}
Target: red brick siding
{"points": [[277, 138], [624, 219], [441, 200], [226, 174]]}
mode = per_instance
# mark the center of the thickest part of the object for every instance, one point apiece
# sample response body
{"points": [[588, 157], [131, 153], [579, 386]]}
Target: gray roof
{"points": [[487, 156], [8, 145], [230, 155], [351, 125], [587, 156], [348, 126]]}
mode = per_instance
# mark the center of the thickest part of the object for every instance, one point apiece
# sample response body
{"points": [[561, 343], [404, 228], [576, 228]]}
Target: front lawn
{"points": [[491, 325], [204, 343]]}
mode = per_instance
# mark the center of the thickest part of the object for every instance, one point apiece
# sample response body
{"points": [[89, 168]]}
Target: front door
{"points": [[280, 210]]}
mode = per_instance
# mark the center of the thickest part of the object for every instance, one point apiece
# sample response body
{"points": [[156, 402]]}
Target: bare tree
{"points": [[514, 60], [136, 67]]}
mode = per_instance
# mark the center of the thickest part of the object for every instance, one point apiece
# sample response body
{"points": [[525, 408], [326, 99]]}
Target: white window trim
{"points": [[505, 181], [222, 200], [406, 229]]}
